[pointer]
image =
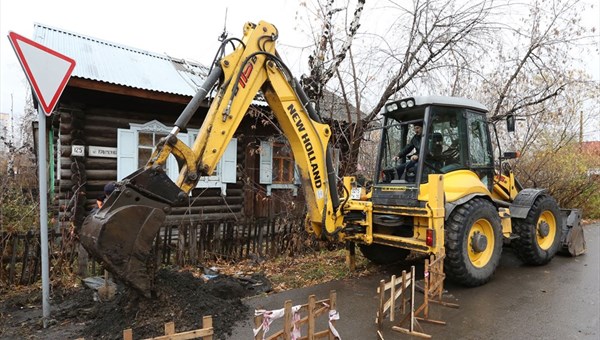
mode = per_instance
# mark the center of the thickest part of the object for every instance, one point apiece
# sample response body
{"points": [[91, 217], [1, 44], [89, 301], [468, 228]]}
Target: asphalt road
{"points": [[560, 300]]}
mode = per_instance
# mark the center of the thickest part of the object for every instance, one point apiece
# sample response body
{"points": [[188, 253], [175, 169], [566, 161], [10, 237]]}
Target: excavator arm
{"points": [[121, 234]]}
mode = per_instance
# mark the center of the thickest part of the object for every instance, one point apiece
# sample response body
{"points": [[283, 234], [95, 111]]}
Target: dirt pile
{"points": [[183, 298]]}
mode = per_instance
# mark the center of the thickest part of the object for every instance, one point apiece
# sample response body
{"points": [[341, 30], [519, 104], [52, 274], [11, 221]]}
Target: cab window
{"points": [[479, 150]]}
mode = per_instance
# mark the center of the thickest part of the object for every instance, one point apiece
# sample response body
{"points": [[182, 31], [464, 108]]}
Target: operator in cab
{"points": [[413, 145]]}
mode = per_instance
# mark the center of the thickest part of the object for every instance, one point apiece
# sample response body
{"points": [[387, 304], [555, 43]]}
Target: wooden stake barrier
{"points": [[294, 321], [405, 289], [397, 288], [434, 282], [432, 292], [205, 333]]}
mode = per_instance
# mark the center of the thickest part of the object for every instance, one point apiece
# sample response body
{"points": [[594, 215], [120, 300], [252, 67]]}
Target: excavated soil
{"points": [[182, 298]]}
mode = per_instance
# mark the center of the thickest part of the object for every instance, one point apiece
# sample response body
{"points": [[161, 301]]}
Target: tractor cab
{"points": [[454, 136]]}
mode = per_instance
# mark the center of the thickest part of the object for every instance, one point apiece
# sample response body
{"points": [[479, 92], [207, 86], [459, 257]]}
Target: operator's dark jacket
{"points": [[415, 143]]}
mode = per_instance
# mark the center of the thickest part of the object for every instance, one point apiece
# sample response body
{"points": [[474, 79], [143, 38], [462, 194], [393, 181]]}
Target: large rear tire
{"points": [[382, 254], [539, 233], [473, 243]]}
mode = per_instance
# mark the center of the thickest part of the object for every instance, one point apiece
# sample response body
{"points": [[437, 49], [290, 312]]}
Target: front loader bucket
{"points": [[121, 234], [573, 241]]}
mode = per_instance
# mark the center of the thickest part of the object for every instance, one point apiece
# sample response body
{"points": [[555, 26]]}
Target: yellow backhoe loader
{"points": [[451, 198]]}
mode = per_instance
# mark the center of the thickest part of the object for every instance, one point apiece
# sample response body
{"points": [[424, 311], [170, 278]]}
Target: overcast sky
{"points": [[184, 29], [181, 28]]}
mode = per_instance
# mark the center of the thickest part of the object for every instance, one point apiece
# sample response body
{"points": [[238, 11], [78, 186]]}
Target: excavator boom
{"points": [[121, 234]]}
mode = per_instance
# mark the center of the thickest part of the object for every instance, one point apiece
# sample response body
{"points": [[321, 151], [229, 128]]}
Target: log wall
{"points": [[80, 180]]}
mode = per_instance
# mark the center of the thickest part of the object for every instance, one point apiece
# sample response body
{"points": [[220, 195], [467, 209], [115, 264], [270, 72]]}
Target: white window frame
{"points": [[127, 155], [266, 169]]}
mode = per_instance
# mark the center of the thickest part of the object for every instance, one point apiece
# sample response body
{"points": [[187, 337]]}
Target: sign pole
{"points": [[43, 189], [48, 72]]}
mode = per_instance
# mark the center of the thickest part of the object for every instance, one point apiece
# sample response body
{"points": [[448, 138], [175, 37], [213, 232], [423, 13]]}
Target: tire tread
{"points": [[456, 262], [525, 246]]}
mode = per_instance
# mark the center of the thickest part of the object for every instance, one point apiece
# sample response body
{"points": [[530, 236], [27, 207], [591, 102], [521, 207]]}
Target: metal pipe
{"points": [[501, 203], [199, 97], [404, 242], [43, 189]]}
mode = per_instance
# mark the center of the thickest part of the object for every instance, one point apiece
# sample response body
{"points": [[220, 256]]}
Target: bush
{"points": [[567, 174], [18, 207], [19, 203]]}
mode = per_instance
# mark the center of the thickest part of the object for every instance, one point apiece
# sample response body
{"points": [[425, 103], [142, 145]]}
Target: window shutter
{"points": [[266, 163], [126, 153], [229, 163]]}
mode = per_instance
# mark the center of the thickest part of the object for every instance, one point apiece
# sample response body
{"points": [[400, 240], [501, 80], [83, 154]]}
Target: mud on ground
{"points": [[183, 298]]}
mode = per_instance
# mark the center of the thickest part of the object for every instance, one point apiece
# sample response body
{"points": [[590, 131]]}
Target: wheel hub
{"points": [[543, 229], [479, 242]]}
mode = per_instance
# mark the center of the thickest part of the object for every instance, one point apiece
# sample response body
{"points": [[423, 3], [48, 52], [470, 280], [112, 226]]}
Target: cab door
{"points": [[480, 158]]}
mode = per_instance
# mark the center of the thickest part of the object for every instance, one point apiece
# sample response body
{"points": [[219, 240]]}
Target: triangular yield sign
{"points": [[47, 70]]}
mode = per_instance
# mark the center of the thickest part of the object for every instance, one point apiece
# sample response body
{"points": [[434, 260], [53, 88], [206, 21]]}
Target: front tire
{"points": [[539, 233], [473, 243]]}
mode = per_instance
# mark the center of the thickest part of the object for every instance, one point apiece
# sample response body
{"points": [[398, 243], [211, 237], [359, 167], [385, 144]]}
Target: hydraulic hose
{"points": [[331, 175]]}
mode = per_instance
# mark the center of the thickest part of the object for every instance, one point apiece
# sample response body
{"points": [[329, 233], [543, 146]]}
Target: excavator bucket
{"points": [[121, 234], [573, 241]]}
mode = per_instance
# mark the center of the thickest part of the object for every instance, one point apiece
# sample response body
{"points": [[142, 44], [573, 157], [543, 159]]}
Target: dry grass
{"points": [[300, 271]]}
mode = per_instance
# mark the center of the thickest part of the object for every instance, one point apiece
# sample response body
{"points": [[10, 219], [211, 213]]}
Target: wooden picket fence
{"points": [[19, 257], [232, 240], [181, 245]]}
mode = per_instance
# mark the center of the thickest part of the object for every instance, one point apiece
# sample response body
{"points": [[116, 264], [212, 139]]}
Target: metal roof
{"points": [[122, 65], [450, 101]]}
